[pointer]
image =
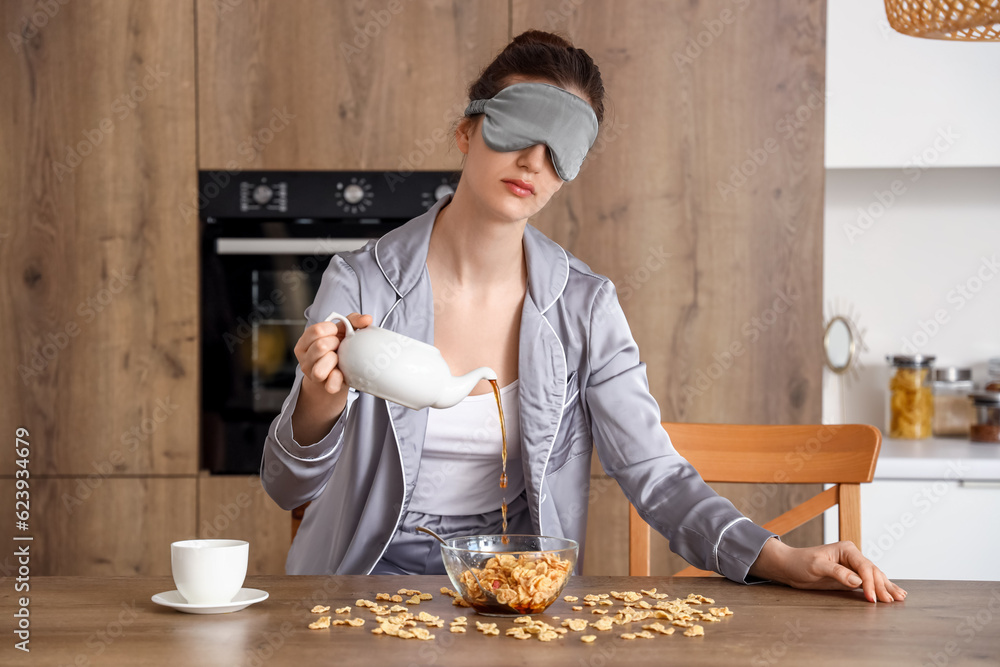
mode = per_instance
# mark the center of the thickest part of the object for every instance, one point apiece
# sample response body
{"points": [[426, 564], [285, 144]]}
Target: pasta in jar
{"points": [[911, 399]]}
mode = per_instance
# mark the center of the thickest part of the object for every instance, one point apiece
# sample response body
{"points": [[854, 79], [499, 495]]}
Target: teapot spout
{"points": [[459, 387]]}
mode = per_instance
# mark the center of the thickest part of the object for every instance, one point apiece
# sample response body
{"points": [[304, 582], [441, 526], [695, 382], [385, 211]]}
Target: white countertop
{"points": [[938, 458]]}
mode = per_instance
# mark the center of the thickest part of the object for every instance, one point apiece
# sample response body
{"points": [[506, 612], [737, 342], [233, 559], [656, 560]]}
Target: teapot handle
{"points": [[347, 323]]}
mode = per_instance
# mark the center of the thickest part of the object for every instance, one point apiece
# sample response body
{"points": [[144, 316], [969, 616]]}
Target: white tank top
{"points": [[460, 466]]}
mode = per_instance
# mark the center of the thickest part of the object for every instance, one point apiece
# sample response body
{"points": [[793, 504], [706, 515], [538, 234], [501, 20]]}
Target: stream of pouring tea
{"points": [[503, 459]]}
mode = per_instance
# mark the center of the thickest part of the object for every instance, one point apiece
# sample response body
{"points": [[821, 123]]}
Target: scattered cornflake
{"points": [[548, 635], [577, 608], [588, 639], [383, 596], [447, 591], [570, 598], [396, 598], [693, 598], [458, 628], [355, 622], [518, 633], [627, 635], [320, 609], [590, 603], [682, 624], [598, 611], [343, 610], [631, 596], [320, 623], [645, 634], [651, 592], [575, 624], [459, 620], [363, 603], [696, 631], [604, 623], [658, 627], [644, 604], [396, 608], [425, 596], [459, 602], [606, 603], [591, 598], [720, 611], [487, 628]]}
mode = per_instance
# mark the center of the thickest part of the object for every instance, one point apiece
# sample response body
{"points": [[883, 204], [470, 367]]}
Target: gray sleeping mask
{"points": [[525, 114]]}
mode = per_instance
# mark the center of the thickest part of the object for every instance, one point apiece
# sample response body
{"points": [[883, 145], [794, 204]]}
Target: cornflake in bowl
{"points": [[523, 576]]}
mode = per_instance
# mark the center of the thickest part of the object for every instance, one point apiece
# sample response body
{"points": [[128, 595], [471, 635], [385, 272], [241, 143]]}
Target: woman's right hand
{"points": [[316, 351]]}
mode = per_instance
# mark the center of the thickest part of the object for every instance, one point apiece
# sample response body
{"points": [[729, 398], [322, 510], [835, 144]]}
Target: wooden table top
{"points": [[112, 621]]}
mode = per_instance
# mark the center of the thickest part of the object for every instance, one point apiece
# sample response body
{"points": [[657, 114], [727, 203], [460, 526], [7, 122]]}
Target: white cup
{"points": [[209, 571]]}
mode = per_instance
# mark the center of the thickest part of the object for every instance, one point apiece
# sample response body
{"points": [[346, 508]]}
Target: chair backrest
{"points": [[843, 455]]}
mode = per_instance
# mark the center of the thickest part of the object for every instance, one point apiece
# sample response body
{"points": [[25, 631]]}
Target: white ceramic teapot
{"points": [[401, 369]]}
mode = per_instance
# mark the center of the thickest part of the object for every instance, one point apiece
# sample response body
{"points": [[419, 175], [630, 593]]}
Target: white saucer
{"points": [[242, 600]]}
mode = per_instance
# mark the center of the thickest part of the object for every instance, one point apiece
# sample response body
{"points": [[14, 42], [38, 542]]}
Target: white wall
{"points": [[900, 267], [889, 95]]}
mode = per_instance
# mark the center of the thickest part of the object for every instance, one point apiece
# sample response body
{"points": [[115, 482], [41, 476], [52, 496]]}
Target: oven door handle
{"points": [[286, 246]]}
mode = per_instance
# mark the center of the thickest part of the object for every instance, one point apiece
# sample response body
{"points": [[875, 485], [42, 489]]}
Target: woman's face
{"points": [[513, 185]]}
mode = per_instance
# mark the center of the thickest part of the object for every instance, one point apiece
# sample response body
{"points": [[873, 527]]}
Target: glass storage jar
{"points": [[953, 413], [993, 374], [910, 404], [987, 425]]}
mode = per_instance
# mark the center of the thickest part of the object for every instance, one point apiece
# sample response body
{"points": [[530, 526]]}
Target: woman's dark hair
{"points": [[545, 55]]}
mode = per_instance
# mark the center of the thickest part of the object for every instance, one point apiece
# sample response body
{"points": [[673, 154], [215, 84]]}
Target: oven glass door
{"points": [[254, 294]]}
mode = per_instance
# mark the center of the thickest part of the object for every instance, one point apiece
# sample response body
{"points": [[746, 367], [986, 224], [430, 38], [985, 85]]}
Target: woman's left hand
{"points": [[839, 566]]}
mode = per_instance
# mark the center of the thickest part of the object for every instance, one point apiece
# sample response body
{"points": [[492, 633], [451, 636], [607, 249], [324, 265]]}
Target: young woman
{"points": [[471, 277]]}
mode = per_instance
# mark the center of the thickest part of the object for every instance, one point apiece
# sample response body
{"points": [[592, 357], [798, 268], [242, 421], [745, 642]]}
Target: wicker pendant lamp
{"points": [[965, 20]]}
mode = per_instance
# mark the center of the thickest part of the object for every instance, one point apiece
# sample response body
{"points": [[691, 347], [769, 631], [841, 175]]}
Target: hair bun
{"points": [[540, 37]]}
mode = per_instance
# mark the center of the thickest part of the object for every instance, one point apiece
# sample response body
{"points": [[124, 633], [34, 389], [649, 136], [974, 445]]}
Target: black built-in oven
{"points": [[266, 238]]}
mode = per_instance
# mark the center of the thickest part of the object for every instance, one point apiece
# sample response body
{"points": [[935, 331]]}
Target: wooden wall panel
{"points": [[103, 527], [707, 260], [99, 292], [237, 507], [345, 84]]}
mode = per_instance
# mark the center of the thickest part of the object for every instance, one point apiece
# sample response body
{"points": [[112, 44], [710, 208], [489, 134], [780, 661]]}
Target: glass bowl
{"points": [[523, 576]]}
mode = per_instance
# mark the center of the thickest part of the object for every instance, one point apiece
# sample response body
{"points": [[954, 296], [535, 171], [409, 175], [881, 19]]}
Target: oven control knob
{"points": [[443, 191], [354, 193], [262, 194]]}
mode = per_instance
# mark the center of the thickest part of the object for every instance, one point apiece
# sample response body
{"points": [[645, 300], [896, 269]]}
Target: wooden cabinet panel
{"points": [[703, 200], [99, 298], [343, 84], [237, 507], [102, 527]]}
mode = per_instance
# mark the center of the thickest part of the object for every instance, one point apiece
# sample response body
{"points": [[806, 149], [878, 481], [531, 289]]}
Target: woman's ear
{"points": [[463, 133]]}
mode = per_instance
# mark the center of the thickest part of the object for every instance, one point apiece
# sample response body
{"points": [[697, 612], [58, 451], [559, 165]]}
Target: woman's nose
{"points": [[534, 157]]}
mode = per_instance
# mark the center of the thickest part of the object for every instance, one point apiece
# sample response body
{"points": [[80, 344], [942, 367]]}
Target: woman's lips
{"points": [[520, 188]]}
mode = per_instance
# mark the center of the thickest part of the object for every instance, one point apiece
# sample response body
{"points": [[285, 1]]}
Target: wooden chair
{"points": [[803, 454], [297, 515]]}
